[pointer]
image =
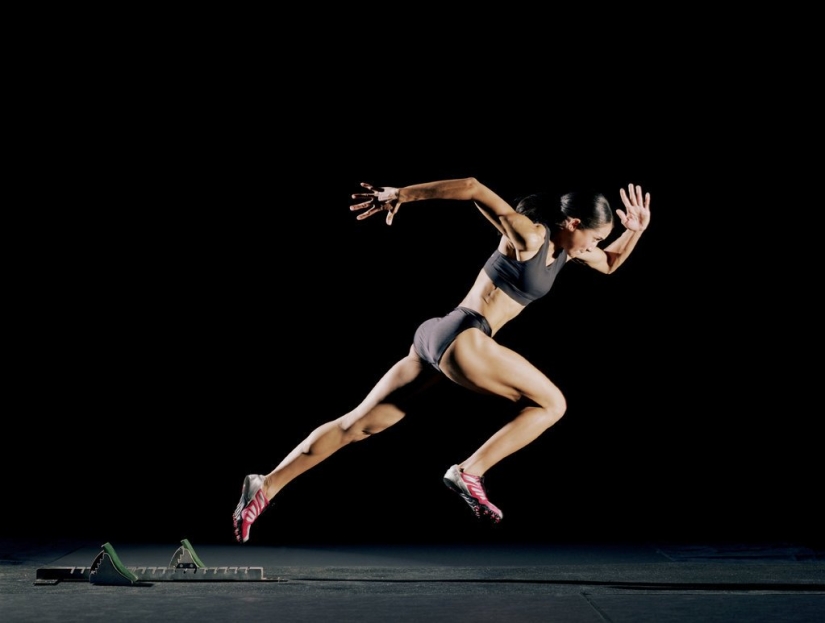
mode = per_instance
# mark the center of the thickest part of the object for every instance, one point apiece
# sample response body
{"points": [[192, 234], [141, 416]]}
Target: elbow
{"points": [[611, 264], [471, 188]]}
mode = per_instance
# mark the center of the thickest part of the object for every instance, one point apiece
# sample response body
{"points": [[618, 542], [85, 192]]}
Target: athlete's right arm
{"points": [[520, 230]]}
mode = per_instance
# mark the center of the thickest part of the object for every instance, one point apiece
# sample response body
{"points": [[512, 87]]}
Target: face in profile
{"points": [[579, 241]]}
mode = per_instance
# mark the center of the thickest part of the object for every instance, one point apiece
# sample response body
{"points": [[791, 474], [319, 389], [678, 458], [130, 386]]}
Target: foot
{"points": [[253, 503], [471, 488]]}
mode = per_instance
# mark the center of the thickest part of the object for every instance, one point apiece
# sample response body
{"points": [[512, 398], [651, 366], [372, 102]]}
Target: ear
{"points": [[572, 224]]}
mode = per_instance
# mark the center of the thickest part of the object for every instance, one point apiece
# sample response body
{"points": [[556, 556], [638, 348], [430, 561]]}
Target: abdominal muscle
{"points": [[491, 302]]}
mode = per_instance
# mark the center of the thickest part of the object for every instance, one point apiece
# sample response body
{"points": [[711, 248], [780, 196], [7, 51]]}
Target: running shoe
{"points": [[471, 488], [253, 503]]}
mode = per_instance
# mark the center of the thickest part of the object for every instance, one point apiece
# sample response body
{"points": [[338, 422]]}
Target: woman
{"points": [[537, 238]]}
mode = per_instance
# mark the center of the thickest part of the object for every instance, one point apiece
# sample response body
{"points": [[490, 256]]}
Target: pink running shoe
{"points": [[471, 488], [253, 503]]}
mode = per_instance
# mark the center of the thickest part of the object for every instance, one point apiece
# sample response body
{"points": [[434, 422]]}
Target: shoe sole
{"points": [[237, 517], [482, 511]]}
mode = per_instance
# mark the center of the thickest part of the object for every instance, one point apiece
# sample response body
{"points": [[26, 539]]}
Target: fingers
{"points": [[375, 201], [366, 198], [367, 214], [375, 210], [634, 196], [627, 201], [642, 200]]}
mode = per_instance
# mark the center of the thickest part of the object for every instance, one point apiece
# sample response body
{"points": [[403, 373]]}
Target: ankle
{"points": [[269, 488], [469, 471]]}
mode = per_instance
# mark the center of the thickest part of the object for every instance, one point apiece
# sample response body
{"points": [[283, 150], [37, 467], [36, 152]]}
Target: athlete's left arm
{"points": [[635, 218]]}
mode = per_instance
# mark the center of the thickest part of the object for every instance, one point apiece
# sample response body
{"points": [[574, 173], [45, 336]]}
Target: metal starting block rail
{"points": [[185, 566]]}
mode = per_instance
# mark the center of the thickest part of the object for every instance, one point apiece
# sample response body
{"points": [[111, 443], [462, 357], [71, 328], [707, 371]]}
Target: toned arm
{"points": [[635, 218], [517, 228], [520, 231]]}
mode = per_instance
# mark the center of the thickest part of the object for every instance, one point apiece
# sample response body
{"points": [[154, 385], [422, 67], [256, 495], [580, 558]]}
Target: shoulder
{"points": [[525, 238], [539, 236]]}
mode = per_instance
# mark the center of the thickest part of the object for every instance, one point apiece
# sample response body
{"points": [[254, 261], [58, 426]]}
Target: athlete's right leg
{"points": [[384, 406], [479, 363]]}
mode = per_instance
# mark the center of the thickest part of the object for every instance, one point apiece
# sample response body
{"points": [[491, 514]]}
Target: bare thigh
{"points": [[390, 398], [477, 362]]}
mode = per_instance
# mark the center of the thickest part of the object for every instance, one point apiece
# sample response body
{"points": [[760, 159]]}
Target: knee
{"points": [[549, 416], [551, 409], [351, 430], [555, 413], [557, 408], [357, 427]]}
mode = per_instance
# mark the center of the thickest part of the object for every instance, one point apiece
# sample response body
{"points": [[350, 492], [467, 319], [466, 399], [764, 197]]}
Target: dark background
{"points": [[194, 297]]}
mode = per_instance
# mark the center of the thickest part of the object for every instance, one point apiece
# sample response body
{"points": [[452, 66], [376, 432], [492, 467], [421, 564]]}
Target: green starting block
{"points": [[185, 566]]}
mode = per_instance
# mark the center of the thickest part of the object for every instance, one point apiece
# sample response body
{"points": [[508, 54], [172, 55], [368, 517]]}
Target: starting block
{"points": [[185, 566]]}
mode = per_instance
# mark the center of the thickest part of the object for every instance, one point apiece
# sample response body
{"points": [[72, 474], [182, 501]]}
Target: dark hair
{"points": [[590, 207]]}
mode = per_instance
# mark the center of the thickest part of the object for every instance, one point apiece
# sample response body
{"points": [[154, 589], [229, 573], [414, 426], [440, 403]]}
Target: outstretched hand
{"points": [[636, 215], [382, 199]]}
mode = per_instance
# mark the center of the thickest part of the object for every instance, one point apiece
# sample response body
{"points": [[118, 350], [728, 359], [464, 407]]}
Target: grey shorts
{"points": [[433, 336]]}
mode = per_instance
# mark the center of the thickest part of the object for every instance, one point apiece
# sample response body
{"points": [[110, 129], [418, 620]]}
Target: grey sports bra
{"points": [[525, 281]]}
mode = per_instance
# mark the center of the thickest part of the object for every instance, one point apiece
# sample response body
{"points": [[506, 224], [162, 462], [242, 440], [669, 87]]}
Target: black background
{"points": [[193, 297]]}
